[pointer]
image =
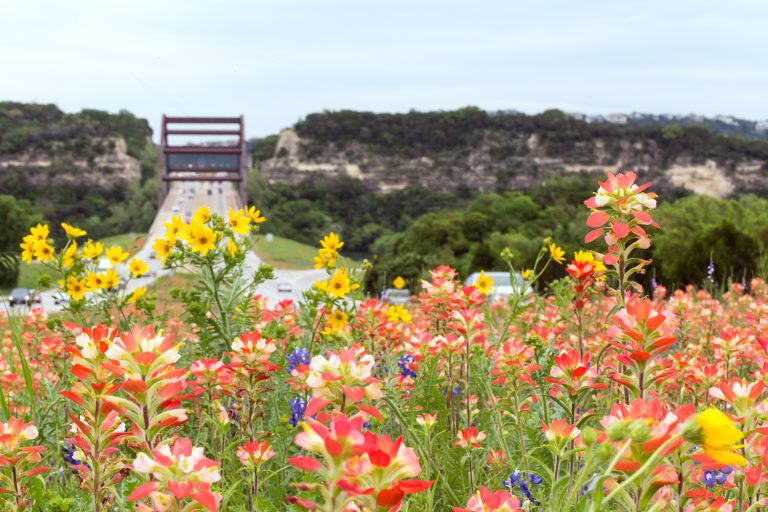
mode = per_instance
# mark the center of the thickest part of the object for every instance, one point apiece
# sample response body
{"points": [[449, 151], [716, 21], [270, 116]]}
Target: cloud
{"points": [[276, 61]]}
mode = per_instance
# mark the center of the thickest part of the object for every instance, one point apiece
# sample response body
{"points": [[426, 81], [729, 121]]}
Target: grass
{"points": [[163, 286], [132, 242], [30, 274], [284, 253]]}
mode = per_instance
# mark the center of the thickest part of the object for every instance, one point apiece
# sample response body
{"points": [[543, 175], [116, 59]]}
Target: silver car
{"points": [[396, 296]]}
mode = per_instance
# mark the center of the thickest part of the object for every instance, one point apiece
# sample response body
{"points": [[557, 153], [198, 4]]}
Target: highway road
{"points": [[183, 199]]}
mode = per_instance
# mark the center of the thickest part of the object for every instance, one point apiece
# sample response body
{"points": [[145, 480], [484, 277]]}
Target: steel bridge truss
{"points": [[211, 160]]}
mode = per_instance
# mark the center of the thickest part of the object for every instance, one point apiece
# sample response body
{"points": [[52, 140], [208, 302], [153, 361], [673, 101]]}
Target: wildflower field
{"points": [[592, 395]]}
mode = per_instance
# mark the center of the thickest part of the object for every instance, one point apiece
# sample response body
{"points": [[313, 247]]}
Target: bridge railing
{"points": [[220, 157]]}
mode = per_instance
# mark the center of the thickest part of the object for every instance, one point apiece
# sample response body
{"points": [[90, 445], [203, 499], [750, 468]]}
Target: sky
{"points": [[275, 61]]}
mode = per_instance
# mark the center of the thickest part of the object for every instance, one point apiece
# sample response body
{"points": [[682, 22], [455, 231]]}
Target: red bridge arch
{"points": [[222, 160]]}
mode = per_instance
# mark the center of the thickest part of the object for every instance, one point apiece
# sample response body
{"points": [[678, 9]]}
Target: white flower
{"points": [[29, 433], [143, 464], [87, 346]]}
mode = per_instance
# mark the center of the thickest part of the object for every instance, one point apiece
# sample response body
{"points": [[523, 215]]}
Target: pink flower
{"points": [[345, 378], [469, 437], [254, 454], [739, 393], [559, 432], [180, 470], [486, 500], [372, 472], [426, 420]]}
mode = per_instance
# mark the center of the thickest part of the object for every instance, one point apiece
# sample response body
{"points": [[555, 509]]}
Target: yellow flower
{"points": [[174, 228], [255, 215], [484, 283], [525, 273], [718, 437], [202, 215], [200, 237], [68, 258], [40, 232], [116, 255], [43, 251], [337, 320], [94, 281], [584, 257], [589, 258], [110, 278], [325, 258], [338, 285], [73, 232], [162, 248], [76, 288], [232, 248], [399, 282], [398, 314], [137, 267], [137, 294], [91, 250], [557, 253], [239, 222], [331, 242], [27, 249]]}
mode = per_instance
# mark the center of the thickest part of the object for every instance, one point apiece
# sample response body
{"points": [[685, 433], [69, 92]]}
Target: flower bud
{"points": [[605, 451], [639, 431], [588, 436], [617, 430]]}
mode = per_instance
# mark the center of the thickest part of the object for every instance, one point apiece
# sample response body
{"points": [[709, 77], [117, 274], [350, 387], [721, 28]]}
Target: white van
{"points": [[502, 285]]}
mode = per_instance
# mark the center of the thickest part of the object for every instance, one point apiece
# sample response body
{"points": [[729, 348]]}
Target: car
{"points": [[24, 297], [284, 287], [395, 296], [502, 285], [175, 209]]}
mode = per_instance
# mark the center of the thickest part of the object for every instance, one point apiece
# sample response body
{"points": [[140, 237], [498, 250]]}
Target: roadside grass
{"points": [[132, 242], [162, 288], [284, 253], [29, 275], [289, 254]]}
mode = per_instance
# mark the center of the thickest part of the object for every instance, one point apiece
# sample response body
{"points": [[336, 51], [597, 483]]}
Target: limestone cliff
{"points": [[479, 151], [110, 166]]}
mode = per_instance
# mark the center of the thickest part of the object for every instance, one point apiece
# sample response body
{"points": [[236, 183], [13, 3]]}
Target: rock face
{"points": [[111, 166], [504, 161]]}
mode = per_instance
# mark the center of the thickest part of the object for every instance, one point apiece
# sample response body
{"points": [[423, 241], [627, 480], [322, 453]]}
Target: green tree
{"points": [[732, 232], [16, 217]]}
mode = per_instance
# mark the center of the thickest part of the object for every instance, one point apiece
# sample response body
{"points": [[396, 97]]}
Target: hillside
{"points": [[470, 150], [84, 167], [724, 125]]}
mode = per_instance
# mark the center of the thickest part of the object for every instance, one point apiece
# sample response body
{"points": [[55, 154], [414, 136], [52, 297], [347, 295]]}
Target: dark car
{"points": [[24, 297]]}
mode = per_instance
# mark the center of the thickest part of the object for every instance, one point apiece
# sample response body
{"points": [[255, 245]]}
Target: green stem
{"points": [[519, 421], [649, 464]]}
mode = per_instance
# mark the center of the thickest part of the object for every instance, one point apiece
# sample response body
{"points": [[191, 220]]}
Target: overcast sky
{"points": [[277, 60]]}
